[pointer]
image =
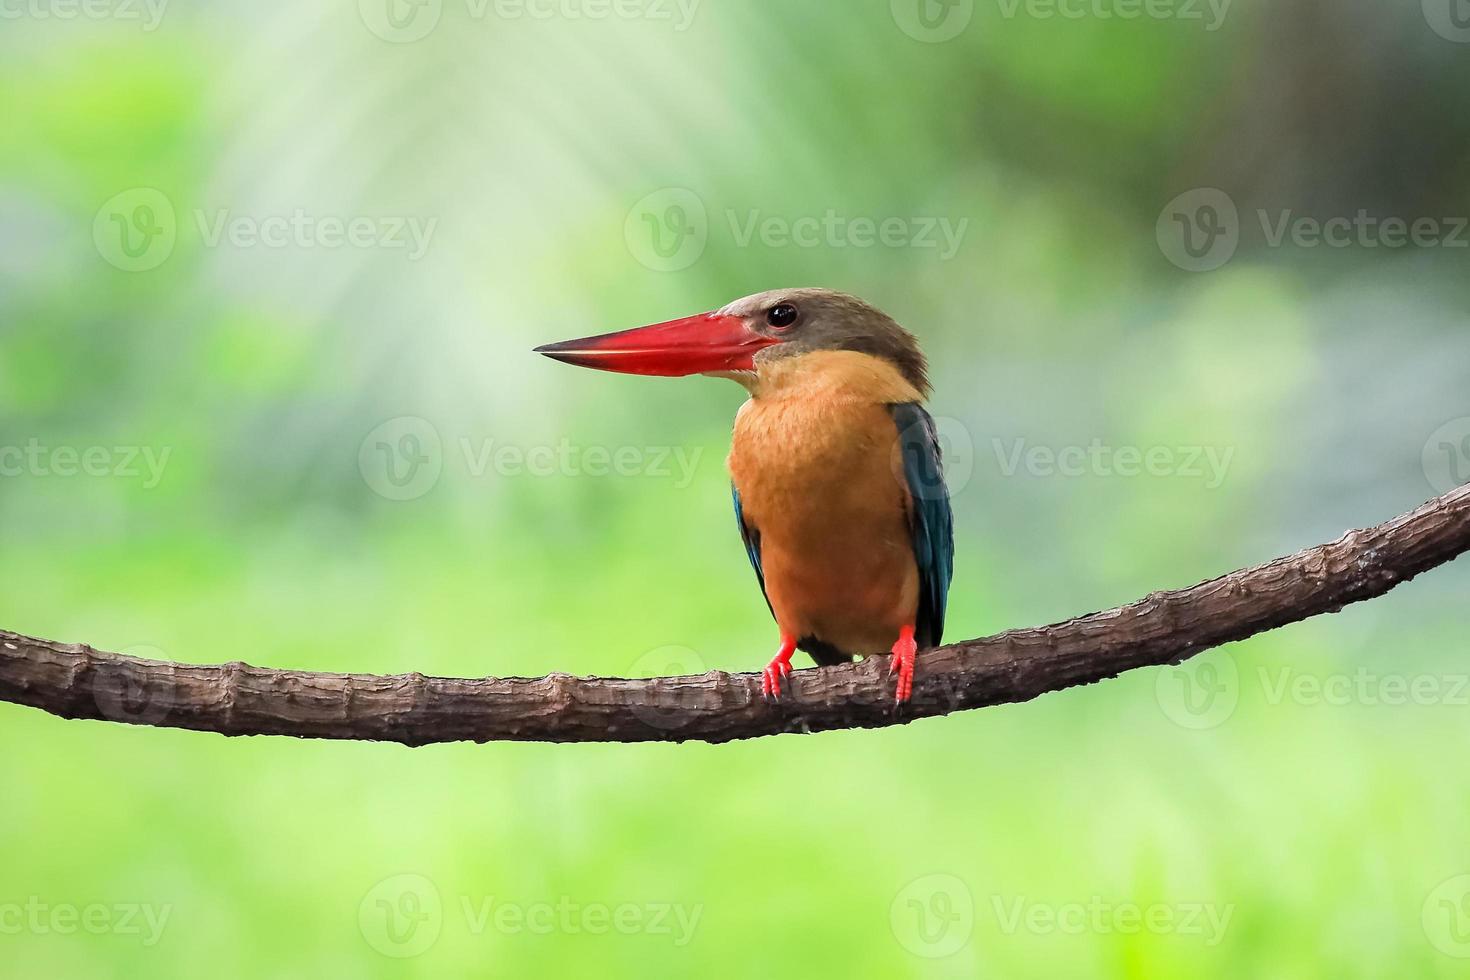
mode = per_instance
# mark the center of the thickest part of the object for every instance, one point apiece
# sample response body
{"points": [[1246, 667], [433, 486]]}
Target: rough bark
{"points": [[76, 681]]}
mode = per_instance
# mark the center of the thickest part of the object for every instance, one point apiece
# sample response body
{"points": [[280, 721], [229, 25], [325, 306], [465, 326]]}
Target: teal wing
{"points": [[931, 522], [752, 539]]}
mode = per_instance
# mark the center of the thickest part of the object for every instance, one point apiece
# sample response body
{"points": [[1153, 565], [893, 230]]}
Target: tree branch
{"points": [[1166, 627]]}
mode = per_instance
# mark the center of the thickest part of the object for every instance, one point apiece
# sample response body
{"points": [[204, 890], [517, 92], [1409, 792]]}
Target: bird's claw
{"points": [[777, 670], [902, 664]]}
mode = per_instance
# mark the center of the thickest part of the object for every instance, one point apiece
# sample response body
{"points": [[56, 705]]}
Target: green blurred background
{"points": [[269, 278]]}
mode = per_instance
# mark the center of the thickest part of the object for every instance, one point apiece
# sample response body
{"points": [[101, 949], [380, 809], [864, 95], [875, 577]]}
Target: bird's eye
{"points": [[781, 316]]}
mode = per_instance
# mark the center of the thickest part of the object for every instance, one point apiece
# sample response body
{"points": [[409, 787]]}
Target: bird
{"points": [[835, 467]]}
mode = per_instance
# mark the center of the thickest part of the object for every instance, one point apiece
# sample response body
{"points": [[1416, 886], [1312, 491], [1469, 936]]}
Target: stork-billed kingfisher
{"points": [[834, 466]]}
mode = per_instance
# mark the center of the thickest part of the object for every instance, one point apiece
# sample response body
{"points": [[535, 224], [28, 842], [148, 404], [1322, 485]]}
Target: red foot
{"points": [[902, 663], [778, 669]]}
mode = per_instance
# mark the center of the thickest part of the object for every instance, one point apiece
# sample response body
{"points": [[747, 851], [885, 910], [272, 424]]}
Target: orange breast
{"points": [[814, 459]]}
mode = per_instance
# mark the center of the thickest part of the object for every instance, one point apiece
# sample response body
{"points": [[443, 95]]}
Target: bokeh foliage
{"points": [[1321, 375]]}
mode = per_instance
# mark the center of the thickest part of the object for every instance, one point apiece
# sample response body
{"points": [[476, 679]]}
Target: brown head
{"points": [[736, 339]]}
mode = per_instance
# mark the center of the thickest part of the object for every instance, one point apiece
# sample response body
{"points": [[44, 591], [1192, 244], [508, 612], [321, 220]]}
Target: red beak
{"points": [[699, 344]]}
